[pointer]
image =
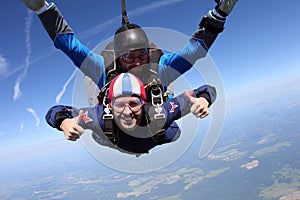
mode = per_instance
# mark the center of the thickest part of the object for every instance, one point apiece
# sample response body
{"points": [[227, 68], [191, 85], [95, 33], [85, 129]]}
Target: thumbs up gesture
{"points": [[199, 105], [71, 127]]}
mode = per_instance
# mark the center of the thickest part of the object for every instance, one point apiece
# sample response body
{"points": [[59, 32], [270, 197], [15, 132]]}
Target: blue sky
{"points": [[260, 44]]}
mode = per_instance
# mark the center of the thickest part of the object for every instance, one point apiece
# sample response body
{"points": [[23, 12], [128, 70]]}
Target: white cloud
{"points": [[140, 11], [61, 93], [21, 127], [17, 90], [37, 119], [153, 6], [93, 31], [3, 67]]}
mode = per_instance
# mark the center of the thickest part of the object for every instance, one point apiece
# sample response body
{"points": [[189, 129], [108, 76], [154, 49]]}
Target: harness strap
{"points": [[156, 127], [159, 137], [157, 118], [109, 128], [102, 93]]}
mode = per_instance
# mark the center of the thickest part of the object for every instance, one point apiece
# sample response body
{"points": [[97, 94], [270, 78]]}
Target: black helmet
{"points": [[129, 37]]}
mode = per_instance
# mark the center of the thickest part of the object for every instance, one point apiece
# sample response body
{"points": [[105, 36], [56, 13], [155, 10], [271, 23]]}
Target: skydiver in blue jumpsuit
{"points": [[170, 65], [134, 130], [132, 55]]}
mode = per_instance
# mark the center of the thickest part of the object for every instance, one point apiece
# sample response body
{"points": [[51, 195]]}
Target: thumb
{"points": [[189, 97], [79, 117]]}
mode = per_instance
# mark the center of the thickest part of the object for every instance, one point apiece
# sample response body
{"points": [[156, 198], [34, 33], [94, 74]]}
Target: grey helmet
{"points": [[129, 37]]}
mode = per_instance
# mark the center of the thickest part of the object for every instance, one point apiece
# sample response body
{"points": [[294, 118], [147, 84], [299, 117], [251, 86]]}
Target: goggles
{"points": [[134, 104], [131, 56]]}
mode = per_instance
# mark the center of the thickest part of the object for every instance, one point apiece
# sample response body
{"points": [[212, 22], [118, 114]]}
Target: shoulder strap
{"points": [[111, 69], [154, 56], [109, 61], [110, 129]]}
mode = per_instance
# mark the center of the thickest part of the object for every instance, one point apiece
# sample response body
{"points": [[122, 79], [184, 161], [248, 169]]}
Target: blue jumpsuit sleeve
{"points": [[208, 92], [179, 106], [58, 113], [175, 108], [90, 63], [91, 118], [172, 133], [172, 65]]}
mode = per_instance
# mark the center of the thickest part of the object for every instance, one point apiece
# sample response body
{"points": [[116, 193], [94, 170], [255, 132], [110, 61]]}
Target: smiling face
{"points": [[127, 111]]}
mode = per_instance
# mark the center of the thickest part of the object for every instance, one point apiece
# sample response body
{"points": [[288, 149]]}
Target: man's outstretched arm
{"points": [[64, 39], [213, 22], [197, 102]]}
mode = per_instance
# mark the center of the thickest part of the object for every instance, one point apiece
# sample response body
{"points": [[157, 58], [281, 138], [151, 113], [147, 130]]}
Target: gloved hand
{"points": [[34, 5], [224, 7]]}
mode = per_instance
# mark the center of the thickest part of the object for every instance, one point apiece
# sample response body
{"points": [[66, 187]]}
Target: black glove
{"points": [[224, 7], [34, 5]]}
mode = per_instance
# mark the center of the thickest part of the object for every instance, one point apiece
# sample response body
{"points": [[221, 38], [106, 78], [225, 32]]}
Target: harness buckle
{"points": [[159, 116], [156, 96], [107, 116]]}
